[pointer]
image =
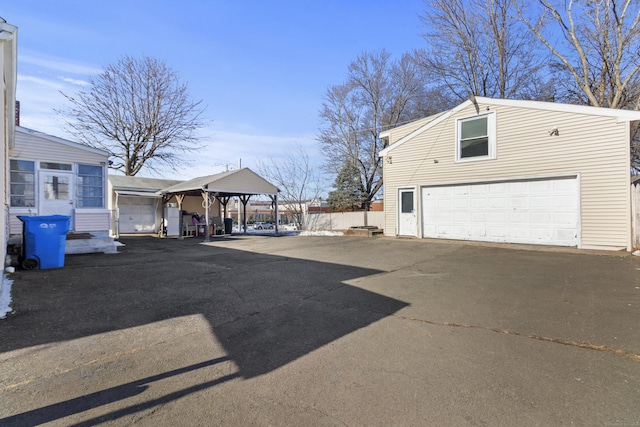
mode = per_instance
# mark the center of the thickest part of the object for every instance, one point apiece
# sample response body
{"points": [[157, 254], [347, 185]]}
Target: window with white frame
{"points": [[90, 186], [476, 138], [22, 183]]}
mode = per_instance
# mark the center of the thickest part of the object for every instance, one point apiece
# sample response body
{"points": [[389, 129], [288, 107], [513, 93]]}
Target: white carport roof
{"points": [[233, 183]]}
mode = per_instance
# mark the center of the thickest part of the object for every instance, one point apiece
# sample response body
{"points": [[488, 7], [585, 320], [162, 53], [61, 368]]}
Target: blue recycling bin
{"points": [[44, 239]]}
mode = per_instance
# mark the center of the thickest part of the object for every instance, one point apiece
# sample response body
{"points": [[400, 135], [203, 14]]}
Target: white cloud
{"points": [[39, 98], [56, 63], [75, 82], [51, 84]]}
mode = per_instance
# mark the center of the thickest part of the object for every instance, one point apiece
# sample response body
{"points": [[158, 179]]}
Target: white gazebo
{"points": [[242, 183]]}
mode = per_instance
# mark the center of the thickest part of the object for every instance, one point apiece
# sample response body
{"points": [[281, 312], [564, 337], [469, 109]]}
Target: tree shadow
{"points": [[265, 310], [104, 397]]}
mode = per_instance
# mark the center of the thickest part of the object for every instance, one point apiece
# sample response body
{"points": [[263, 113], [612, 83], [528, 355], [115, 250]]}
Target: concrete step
{"points": [[87, 243], [364, 231]]}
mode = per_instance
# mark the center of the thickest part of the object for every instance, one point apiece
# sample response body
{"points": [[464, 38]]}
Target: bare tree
{"points": [[598, 51], [297, 179], [599, 46], [140, 112], [475, 46], [378, 94]]}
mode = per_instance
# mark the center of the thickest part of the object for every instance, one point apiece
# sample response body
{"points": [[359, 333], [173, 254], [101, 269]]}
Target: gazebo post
{"points": [[276, 210], [180, 198], [207, 204], [244, 199]]}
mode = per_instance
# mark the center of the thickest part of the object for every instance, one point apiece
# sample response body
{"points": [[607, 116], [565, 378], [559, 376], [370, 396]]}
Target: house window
{"points": [[407, 201], [56, 187], [90, 186], [55, 166], [476, 138], [22, 183]]}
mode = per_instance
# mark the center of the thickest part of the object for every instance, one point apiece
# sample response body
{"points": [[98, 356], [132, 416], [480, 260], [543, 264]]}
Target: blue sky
{"points": [[261, 68]]}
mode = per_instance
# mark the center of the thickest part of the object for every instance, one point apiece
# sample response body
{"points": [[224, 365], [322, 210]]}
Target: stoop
{"points": [[87, 243], [364, 231]]}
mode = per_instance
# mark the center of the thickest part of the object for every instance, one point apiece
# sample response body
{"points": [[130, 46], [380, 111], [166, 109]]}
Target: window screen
{"points": [[407, 201]]}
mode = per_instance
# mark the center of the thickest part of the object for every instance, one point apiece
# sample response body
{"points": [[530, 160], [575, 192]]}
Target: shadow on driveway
{"points": [[265, 310], [104, 397]]}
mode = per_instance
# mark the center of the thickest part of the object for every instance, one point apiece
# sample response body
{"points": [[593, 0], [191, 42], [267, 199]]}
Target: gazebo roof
{"points": [[232, 183]]}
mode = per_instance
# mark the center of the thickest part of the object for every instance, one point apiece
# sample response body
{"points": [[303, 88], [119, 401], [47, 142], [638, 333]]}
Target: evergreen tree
{"points": [[348, 194]]}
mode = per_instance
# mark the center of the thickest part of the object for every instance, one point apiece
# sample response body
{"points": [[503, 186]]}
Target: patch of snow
{"points": [[321, 233], [5, 296], [636, 253]]}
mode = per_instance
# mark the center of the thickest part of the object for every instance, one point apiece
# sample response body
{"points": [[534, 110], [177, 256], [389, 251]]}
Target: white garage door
{"points": [[543, 211], [137, 214]]}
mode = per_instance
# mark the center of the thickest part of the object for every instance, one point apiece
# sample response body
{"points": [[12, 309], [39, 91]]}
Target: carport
{"points": [[242, 183]]}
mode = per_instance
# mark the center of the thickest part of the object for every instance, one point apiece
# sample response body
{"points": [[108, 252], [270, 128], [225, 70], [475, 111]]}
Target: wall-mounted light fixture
{"points": [[554, 132], [389, 160]]}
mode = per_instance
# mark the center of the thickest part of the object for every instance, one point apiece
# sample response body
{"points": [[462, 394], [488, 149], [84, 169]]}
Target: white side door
{"points": [[407, 212], [56, 193]]}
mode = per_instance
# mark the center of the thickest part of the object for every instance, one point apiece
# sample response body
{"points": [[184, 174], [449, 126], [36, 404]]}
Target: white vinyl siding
{"points": [[92, 220], [590, 146], [400, 132], [35, 147]]}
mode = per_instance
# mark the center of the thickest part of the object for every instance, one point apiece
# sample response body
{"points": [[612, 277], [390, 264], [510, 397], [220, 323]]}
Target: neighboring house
{"points": [[512, 171], [54, 176], [8, 78]]}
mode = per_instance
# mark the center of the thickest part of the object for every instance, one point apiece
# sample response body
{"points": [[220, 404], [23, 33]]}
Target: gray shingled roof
{"points": [[136, 183]]}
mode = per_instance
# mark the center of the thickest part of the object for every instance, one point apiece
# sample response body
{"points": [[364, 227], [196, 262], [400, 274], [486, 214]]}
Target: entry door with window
{"points": [[407, 218], [56, 193]]}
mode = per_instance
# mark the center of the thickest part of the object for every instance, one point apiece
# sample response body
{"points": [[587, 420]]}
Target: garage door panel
{"points": [[541, 211], [497, 188], [479, 217], [540, 218], [519, 217], [137, 215], [542, 234], [497, 217], [478, 189], [518, 202], [541, 202], [518, 187], [567, 201], [540, 186], [519, 233], [479, 202], [497, 233], [497, 202], [565, 218]]}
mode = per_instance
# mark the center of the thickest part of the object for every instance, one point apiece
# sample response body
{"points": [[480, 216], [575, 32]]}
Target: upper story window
{"points": [[90, 186], [22, 183], [476, 138]]}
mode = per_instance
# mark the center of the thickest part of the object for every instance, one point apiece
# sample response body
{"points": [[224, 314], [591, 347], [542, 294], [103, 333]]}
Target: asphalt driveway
{"points": [[255, 330]]}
